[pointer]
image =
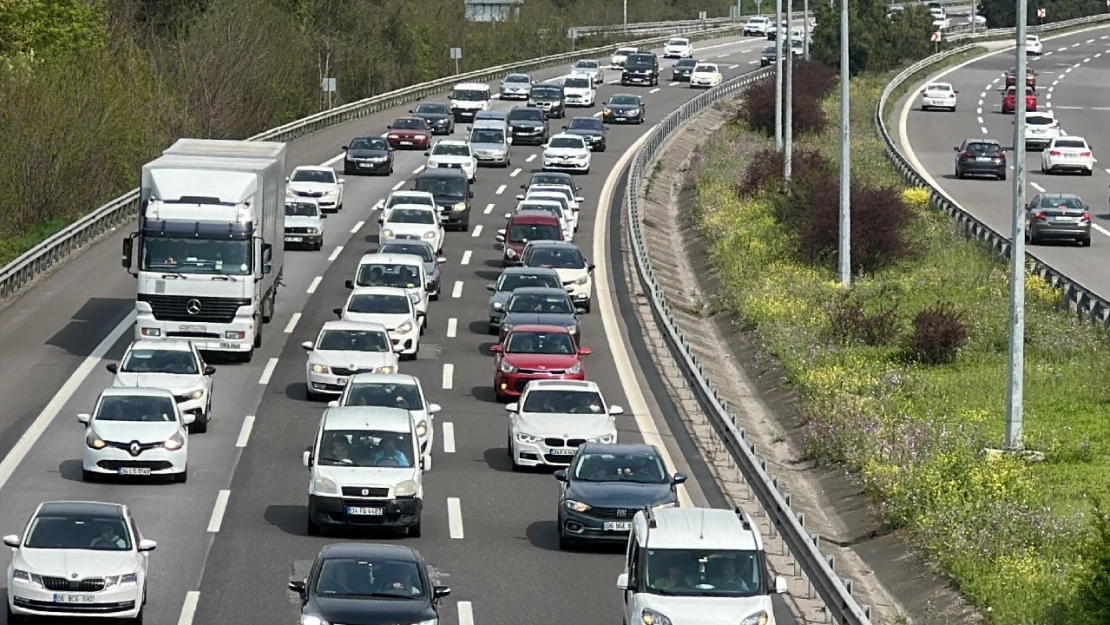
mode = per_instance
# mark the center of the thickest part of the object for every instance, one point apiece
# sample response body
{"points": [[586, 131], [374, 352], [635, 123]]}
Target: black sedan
{"points": [[604, 487], [980, 157], [438, 115], [681, 70], [368, 584], [589, 128], [540, 305], [368, 155], [625, 108]]}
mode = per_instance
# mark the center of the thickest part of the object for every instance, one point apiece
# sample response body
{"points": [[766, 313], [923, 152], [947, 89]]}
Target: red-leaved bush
{"points": [[939, 332], [879, 220], [812, 81]]}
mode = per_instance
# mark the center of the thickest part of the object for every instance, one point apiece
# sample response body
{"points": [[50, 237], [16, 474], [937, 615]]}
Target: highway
{"points": [[1074, 83], [229, 538]]}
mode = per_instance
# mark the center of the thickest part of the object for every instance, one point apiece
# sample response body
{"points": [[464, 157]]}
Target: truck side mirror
{"points": [[128, 248], [267, 257]]}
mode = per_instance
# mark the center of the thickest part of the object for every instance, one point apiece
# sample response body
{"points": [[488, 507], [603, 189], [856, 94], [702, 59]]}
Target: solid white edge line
{"points": [[245, 431], [448, 376], [189, 608], [452, 327], [289, 327], [448, 435], [454, 518], [217, 519], [268, 371], [466, 613]]}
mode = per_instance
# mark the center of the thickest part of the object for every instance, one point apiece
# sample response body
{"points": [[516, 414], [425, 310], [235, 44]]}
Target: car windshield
{"points": [[585, 123], [412, 216], [411, 123], [624, 100], [136, 409], [470, 95], [513, 281], [369, 577], [1070, 143], [587, 65], [640, 468], [522, 233], [519, 114], [313, 175], [432, 108], [705, 69], [451, 149], [527, 342], [939, 87], [577, 83], [353, 341], [566, 142], [641, 61], [422, 250], [564, 402], [552, 178], [1039, 120], [384, 395], [1061, 201], [173, 361], [983, 148], [378, 304], [365, 448], [697, 572], [301, 209], [409, 199], [520, 78], [446, 187], [388, 274], [692, 62], [363, 143], [678, 42], [772, 50], [72, 531], [555, 304], [568, 258], [487, 135]]}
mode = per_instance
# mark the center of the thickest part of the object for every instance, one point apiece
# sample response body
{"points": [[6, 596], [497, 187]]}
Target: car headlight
{"points": [[498, 305], [651, 617], [386, 369], [572, 329], [582, 280], [93, 441], [27, 577], [608, 439], [197, 394], [324, 486], [314, 231], [576, 369], [175, 442], [430, 235], [460, 206], [319, 368], [634, 111], [387, 233], [121, 580], [332, 193], [664, 505], [404, 328], [308, 619], [507, 367], [510, 252], [405, 489], [522, 437], [759, 618], [577, 506], [422, 429], [607, 112]]}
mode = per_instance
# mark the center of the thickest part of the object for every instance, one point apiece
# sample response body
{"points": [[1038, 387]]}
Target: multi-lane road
{"points": [[229, 538], [1073, 79]]}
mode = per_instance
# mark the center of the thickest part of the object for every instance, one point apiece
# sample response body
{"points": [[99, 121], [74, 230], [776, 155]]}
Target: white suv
{"points": [[756, 27], [554, 417], [697, 566], [1041, 127]]}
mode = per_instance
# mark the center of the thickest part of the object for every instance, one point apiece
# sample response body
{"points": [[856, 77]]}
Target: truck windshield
{"points": [[197, 256]]}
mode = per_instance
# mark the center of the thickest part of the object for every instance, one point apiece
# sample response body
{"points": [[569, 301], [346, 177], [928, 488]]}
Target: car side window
{"points": [[135, 534]]}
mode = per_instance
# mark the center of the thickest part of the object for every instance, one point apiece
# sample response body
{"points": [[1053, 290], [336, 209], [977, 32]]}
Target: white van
{"points": [[366, 471], [468, 98], [405, 271]]}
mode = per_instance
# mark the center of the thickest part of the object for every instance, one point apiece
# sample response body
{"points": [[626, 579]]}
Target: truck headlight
{"points": [[405, 489], [324, 486]]}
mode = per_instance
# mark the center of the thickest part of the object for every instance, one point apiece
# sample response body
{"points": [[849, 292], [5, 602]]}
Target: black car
{"points": [[641, 69], [438, 115], [769, 56], [452, 193], [591, 129], [549, 99], [553, 177], [368, 155], [528, 125], [605, 485], [624, 108], [368, 584], [980, 157], [681, 70]]}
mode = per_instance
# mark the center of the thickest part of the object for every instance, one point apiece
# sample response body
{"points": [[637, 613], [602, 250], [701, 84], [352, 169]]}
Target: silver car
{"points": [[511, 279], [424, 250], [1058, 216], [516, 87], [591, 68], [489, 140]]}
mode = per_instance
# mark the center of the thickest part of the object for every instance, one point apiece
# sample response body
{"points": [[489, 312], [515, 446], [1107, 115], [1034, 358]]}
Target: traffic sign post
{"points": [[702, 15], [935, 38], [456, 56], [572, 34], [1041, 13], [327, 85]]}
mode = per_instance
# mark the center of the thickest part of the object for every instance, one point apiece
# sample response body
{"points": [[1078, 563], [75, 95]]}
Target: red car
{"points": [[1009, 101], [525, 226], [409, 133], [535, 352]]}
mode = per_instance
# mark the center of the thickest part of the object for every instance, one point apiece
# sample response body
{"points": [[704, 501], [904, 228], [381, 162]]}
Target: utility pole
{"points": [[778, 75], [973, 16], [845, 248], [1016, 378], [805, 29], [625, 14], [788, 120]]}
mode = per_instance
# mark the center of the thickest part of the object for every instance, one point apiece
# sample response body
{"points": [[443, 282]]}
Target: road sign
{"points": [[734, 11], [327, 85], [702, 15], [456, 54], [572, 33], [1041, 13], [935, 38]]}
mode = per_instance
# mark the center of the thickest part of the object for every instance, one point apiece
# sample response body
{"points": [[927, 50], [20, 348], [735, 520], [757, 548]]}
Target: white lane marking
{"points": [[189, 609], [489, 208], [655, 90], [1098, 55], [217, 518], [1068, 70], [452, 327], [1087, 60], [673, 84], [1108, 168], [448, 376], [292, 323], [245, 431], [35, 431], [733, 66], [599, 113], [500, 190], [1037, 187], [752, 62], [315, 283], [397, 187], [721, 56], [379, 204], [980, 120], [531, 157], [454, 518], [335, 253], [456, 292], [1090, 40], [418, 170], [984, 129], [358, 227], [448, 436], [516, 172], [335, 159], [1063, 49], [477, 231], [466, 613], [268, 371], [465, 258]]}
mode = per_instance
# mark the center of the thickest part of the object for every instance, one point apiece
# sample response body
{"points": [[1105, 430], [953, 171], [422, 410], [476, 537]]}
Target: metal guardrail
{"points": [[1083, 300], [20, 272], [675, 27]]}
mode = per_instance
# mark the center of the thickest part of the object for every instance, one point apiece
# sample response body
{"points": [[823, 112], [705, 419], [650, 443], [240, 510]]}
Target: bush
{"points": [[879, 220], [850, 322], [1092, 604], [810, 84], [939, 332], [765, 170]]}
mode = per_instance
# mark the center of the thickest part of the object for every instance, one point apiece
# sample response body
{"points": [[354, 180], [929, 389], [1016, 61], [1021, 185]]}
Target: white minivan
{"points": [[468, 98]]}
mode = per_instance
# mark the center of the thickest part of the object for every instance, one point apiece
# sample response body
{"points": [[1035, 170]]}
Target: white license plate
{"points": [[192, 328], [617, 526], [1067, 219], [134, 470], [365, 511], [364, 164], [406, 143], [984, 159], [563, 452], [293, 239], [60, 598], [227, 346]]}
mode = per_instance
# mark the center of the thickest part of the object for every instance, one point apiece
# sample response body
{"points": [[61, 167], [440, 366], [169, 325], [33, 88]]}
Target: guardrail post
{"points": [[847, 585]]}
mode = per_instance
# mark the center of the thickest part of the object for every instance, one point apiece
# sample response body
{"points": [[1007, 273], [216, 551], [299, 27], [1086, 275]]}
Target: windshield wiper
{"points": [[172, 274]]}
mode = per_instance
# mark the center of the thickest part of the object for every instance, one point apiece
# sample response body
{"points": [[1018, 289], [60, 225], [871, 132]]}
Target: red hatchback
{"points": [[535, 352], [1009, 101], [409, 133], [525, 226]]}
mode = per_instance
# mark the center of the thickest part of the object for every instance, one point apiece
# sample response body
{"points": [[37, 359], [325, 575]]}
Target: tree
{"points": [[877, 43], [1001, 13], [47, 27]]}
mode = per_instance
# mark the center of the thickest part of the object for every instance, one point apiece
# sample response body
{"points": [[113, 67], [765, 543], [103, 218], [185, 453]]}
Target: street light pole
{"points": [[625, 14], [805, 29], [1016, 380], [778, 75], [788, 119], [844, 255]]}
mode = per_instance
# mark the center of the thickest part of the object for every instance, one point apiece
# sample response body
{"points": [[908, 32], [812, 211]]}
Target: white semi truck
{"points": [[209, 244]]}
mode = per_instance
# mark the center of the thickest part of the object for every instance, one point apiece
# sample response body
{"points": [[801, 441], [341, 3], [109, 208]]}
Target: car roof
{"points": [[530, 271], [472, 85], [396, 259], [420, 242], [620, 448], [169, 346], [696, 528], [578, 386], [135, 391], [313, 168], [379, 378], [449, 142], [566, 135], [562, 244], [367, 418], [539, 290], [351, 325], [81, 508], [533, 216], [388, 551], [380, 290]]}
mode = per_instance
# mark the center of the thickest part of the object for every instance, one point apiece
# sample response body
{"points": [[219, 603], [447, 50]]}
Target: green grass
{"points": [[1006, 530], [12, 247]]}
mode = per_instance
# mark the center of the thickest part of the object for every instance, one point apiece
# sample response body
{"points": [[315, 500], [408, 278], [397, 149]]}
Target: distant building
{"points": [[492, 10]]}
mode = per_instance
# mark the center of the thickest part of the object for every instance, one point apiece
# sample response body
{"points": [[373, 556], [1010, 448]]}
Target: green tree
{"points": [[46, 27], [1001, 13], [1092, 603], [877, 43]]}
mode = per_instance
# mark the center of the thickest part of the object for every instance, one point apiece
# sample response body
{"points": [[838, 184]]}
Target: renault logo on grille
{"points": [[192, 306], [135, 448], [365, 492], [622, 513], [73, 575]]}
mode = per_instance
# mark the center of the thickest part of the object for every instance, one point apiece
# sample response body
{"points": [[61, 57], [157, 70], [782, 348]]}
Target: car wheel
{"points": [[1085, 242], [1002, 176], [414, 529], [601, 148], [87, 476], [588, 306], [318, 245], [200, 426], [1089, 172], [181, 478], [313, 528], [565, 543]]}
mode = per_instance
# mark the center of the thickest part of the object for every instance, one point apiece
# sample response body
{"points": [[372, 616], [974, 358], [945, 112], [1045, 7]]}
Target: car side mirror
{"points": [[349, 284], [112, 367], [188, 418], [342, 181], [306, 458], [499, 238], [622, 581], [298, 586], [561, 475], [434, 408], [307, 345], [512, 407], [579, 199], [496, 349], [470, 194], [678, 478], [427, 154], [590, 267], [381, 220], [147, 545], [781, 587], [389, 127], [323, 216], [12, 540], [429, 286], [344, 148], [440, 592], [520, 197], [333, 403], [492, 288], [508, 215], [956, 149], [615, 410], [209, 370], [585, 351], [956, 91], [338, 312], [84, 418]]}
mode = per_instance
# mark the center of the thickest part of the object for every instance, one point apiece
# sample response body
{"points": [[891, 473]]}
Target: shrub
{"points": [[816, 80], [765, 170], [879, 220], [850, 322], [1091, 605], [917, 197], [939, 332], [758, 108]]}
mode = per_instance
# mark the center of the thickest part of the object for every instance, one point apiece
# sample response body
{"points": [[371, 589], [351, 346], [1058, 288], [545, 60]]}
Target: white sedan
{"points": [[176, 366], [551, 414], [1034, 45], [1069, 153], [412, 222], [938, 95], [318, 182], [678, 48], [393, 308], [135, 432], [453, 153], [705, 75], [621, 55], [343, 349], [566, 153]]}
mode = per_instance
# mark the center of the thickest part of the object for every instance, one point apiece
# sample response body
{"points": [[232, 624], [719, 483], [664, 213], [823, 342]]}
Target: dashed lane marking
{"points": [[531, 157], [489, 208], [516, 172], [1037, 187], [312, 285], [466, 613], [456, 292], [289, 327], [217, 518], [448, 436], [189, 609], [655, 90], [454, 518], [465, 258], [452, 327], [335, 253], [268, 371], [398, 186], [245, 432], [358, 227], [448, 376], [477, 231], [418, 170], [500, 190]]}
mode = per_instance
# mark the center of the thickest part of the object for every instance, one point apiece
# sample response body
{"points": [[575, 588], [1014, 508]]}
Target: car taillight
{"points": [[1000, 156], [1084, 154], [1054, 153], [1039, 215], [1085, 217], [965, 154]]}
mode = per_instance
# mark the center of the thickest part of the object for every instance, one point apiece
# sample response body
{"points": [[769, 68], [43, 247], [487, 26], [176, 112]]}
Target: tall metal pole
{"points": [[788, 119], [778, 75], [1015, 380], [805, 29], [625, 14], [972, 17], [845, 248]]}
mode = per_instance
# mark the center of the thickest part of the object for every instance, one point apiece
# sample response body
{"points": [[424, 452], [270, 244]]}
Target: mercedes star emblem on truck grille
{"points": [[192, 306]]}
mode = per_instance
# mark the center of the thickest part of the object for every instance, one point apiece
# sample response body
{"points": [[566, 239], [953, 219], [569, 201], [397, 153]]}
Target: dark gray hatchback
{"points": [[980, 157], [1058, 216]]}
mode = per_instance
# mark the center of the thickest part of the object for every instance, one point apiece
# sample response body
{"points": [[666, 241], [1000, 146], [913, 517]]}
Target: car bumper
{"points": [[1061, 231], [495, 317], [452, 217], [675, 55], [334, 512], [702, 83], [408, 144], [461, 114], [194, 406], [627, 119], [1072, 164], [325, 383], [408, 343], [512, 384], [441, 128], [937, 103], [534, 138], [561, 165], [580, 101], [492, 161], [514, 95], [366, 167], [1038, 142], [111, 461], [973, 168], [540, 455], [585, 527], [112, 603], [680, 77], [637, 80], [579, 293], [211, 339], [303, 239]]}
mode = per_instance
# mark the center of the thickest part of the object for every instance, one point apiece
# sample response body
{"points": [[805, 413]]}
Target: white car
{"points": [[75, 559], [678, 48], [573, 200], [304, 222], [938, 95], [453, 154], [135, 432], [591, 68], [1034, 45], [547, 206], [977, 20], [395, 391], [421, 198], [941, 23], [554, 417], [1070, 153], [937, 13], [621, 56], [570, 207], [391, 307], [404, 271], [575, 272], [343, 349], [412, 222], [756, 26], [578, 90], [705, 75], [317, 182], [176, 366], [566, 153], [1041, 127]]}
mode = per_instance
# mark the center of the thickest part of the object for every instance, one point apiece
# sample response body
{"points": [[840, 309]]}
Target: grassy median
{"points": [[903, 378]]}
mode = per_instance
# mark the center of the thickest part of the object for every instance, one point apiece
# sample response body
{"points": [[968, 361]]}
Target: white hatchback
{"points": [[391, 307], [1034, 45], [319, 182], [176, 366], [343, 349], [705, 75], [566, 153], [135, 432], [412, 222], [395, 391], [1070, 153]]}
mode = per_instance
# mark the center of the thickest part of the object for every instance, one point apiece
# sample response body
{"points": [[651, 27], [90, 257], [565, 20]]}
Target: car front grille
{"points": [[559, 442], [92, 584], [541, 371], [377, 492], [153, 465], [176, 307], [309, 193], [296, 230], [613, 513], [554, 459], [347, 372]]}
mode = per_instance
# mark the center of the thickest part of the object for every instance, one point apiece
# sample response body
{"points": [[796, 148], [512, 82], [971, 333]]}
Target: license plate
{"points": [[60, 598], [192, 328], [563, 452], [617, 526], [406, 143], [293, 239], [365, 511], [227, 346], [364, 165], [1067, 219], [983, 159], [134, 470]]}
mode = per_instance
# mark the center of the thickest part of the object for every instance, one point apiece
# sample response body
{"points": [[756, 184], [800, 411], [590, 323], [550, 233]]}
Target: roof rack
{"points": [[744, 518]]}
